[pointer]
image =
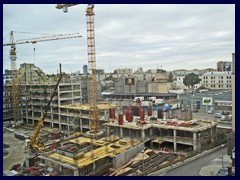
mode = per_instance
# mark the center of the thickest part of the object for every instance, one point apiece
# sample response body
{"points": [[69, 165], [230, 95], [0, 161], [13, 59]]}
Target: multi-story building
{"points": [[131, 85], [224, 66], [217, 80], [36, 96], [30, 74], [7, 102], [85, 70], [160, 77], [7, 76], [156, 87]]}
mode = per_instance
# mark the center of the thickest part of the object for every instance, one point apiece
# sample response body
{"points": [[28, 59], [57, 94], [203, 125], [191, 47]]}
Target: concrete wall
{"points": [[127, 155]]}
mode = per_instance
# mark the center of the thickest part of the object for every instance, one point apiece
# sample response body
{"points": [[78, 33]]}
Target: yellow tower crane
{"points": [[13, 57], [91, 63]]}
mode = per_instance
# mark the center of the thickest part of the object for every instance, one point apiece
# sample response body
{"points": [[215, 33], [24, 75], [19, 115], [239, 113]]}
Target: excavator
{"points": [[34, 144]]}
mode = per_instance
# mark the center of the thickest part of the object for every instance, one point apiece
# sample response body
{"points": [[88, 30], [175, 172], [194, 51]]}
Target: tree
{"points": [[170, 77], [190, 80]]}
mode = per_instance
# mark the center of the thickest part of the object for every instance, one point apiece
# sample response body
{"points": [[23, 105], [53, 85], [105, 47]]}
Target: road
{"points": [[205, 166]]}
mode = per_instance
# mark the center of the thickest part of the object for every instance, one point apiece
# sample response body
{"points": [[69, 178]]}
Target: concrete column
{"points": [[76, 172], [151, 143], [143, 135], [150, 133], [121, 132], [32, 116], [52, 120], [211, 134], [27, 162], [174, 140], [80, 125], [60, 169], [108, 131], [68, 121], [94, 166], [194, 141]]}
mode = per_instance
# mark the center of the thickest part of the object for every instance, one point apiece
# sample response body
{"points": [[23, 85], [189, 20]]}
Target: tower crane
{"points": [[91, 63], [13, 57]]}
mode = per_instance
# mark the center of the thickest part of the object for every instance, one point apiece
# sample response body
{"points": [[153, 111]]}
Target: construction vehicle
{"points": [[94, 113], [13, 57], [34, 143]]}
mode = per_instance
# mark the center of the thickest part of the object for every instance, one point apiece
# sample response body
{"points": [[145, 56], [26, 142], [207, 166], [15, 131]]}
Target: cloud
{"points": [[131, 35]]}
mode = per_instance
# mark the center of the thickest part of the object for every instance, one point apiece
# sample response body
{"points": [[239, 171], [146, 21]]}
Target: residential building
{"points": [[217, 80], [7, 76]]}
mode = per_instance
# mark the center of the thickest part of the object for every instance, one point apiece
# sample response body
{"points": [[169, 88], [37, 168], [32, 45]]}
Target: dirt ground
{"points": [[16, 151]]}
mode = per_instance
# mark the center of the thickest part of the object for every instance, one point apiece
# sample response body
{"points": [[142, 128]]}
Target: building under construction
{"points": [[98, 138]]}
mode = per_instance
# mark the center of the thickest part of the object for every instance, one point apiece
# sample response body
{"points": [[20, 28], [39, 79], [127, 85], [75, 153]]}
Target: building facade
{"points": [[217, 80], [224, 66]]}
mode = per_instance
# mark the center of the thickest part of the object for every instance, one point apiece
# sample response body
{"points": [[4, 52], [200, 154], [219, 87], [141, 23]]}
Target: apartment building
{"points": [[217, 80]]}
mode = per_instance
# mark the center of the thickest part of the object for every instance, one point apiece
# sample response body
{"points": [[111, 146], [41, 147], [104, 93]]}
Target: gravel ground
{"points": [[16, 151]]}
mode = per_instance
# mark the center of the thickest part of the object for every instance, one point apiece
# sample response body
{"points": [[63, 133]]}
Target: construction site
{"points": [[62, 136]]}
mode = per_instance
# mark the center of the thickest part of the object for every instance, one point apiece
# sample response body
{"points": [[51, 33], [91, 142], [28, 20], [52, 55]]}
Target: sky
{"points": [[167, 36]]}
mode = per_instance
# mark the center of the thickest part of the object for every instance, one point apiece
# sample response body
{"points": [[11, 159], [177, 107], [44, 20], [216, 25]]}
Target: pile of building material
{"points": [[145, 163]]}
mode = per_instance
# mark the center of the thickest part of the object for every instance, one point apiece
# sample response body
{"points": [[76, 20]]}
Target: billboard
{"points": [[129, 81], [207, 101]]}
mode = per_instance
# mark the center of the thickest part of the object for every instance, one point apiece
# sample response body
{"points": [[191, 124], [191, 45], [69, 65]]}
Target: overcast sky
{"points": [[127, 36]]}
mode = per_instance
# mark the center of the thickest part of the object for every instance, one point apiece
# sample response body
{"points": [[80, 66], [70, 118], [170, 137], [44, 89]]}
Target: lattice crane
{"points": [[13, 57], [91, 63]]}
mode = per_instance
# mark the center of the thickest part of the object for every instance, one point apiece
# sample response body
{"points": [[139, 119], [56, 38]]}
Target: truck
{"points": [[175, 106], [159, 101], [141, 98]]}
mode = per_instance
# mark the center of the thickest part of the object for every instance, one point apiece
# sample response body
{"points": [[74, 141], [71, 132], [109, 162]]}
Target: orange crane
{"points": [[13, 57], [94, 113]]}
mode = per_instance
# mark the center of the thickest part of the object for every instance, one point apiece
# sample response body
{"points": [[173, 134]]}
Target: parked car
{"points": [[225, 113], [195, 110], [218, 115], [210, 111], [223, 171], [183, 109]]}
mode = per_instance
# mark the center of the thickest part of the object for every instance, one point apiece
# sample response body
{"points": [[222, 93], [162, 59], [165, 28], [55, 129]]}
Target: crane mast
{"points": [[92, 69], [15, 99], [92, 84], [13, 57]]}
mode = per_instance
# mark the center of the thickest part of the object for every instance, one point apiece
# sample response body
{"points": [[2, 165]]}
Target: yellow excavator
{"points": [[34, 143]]}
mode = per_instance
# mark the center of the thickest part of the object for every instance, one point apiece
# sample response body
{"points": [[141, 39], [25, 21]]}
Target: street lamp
{"points": [[199, 138], [222, 154]]}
